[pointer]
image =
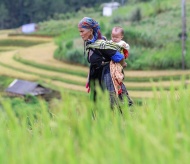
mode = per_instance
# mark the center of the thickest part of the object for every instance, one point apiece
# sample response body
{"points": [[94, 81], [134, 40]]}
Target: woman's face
{"points": [[85, 34]]}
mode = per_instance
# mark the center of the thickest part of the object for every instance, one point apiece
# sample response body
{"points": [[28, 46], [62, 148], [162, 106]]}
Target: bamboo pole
{"points": [[183, 35]]}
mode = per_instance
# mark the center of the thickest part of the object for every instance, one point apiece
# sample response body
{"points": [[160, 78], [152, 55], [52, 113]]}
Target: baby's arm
{"points": [[125, 45]]}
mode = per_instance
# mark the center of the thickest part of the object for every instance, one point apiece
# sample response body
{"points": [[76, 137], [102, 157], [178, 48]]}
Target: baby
{"points": [[117, 36]]}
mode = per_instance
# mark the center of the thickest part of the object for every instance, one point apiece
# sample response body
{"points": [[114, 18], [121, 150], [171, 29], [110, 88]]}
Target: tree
{"points": [[19, 12], [3, 16]]}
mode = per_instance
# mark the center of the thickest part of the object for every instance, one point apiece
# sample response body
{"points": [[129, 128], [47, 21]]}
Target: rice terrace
{"points": [[31, 63], [69, 127]]}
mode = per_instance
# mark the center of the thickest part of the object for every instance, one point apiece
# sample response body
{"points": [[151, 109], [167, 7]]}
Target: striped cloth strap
{"points": [[102, 44]]}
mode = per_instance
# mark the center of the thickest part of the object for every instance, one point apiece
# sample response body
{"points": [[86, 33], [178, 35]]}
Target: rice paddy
{"points": [[37, 63]]}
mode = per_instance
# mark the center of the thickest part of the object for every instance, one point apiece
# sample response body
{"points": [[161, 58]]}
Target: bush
{"points": [[136, 15], [76, 56], [138, 39], [59, 52], [135, 38], [168, 57], [118, 19], [69, 44], [187, 57], [103, 27]]}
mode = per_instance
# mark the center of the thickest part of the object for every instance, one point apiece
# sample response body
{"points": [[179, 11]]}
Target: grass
{"points": [[4, 82], [155, 130], [65, 132]]}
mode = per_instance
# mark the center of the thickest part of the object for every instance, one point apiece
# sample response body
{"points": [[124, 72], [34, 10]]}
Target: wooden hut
{"points": [[22, 88]]}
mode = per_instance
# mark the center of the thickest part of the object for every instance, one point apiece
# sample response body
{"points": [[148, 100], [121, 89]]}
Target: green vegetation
{"points": [[83, 74], [4, 82], [12, 14], [153, 37], [2, 50], [73, 77], [65, 131], [73, 129], [151, 27], [19, 43]]}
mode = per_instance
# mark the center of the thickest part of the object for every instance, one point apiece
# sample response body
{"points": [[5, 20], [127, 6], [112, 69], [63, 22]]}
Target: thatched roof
{"points": [[22, 87]]}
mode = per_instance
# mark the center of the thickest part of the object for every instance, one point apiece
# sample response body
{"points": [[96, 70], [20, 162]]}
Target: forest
{"points": [[14, 14]]}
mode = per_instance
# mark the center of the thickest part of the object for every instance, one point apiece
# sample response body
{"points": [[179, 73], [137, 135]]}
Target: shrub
{"points": [[118, 19], [137, 38], [76, 56], [187, 57], [69, 44], [59, 52], [136, 15], [103, 27]]}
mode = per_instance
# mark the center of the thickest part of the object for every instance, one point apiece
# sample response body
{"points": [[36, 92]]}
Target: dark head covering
{"points": [[89, 23]]}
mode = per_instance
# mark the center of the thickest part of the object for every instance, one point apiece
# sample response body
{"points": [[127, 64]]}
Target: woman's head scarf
{"points": [[89, 23]]}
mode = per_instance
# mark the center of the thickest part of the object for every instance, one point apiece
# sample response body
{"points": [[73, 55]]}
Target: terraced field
{"points": [[37, 63]]}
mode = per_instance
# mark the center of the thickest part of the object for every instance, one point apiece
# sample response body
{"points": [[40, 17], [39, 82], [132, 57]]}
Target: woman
{"points": [[100, 53]]}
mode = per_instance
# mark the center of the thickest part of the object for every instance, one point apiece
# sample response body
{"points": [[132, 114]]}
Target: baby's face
{"points": [[116, 36]]}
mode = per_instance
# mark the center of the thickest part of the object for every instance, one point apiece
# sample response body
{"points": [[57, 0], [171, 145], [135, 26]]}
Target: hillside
{"points": [[154, 38], [37, 62]]}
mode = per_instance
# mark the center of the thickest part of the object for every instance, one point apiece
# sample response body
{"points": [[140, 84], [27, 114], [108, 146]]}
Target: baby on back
{"points": [[117, 36]]}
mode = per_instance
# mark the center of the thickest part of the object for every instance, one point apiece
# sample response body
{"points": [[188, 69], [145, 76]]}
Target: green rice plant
{"points": [[4, 81], [157, 131]]}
